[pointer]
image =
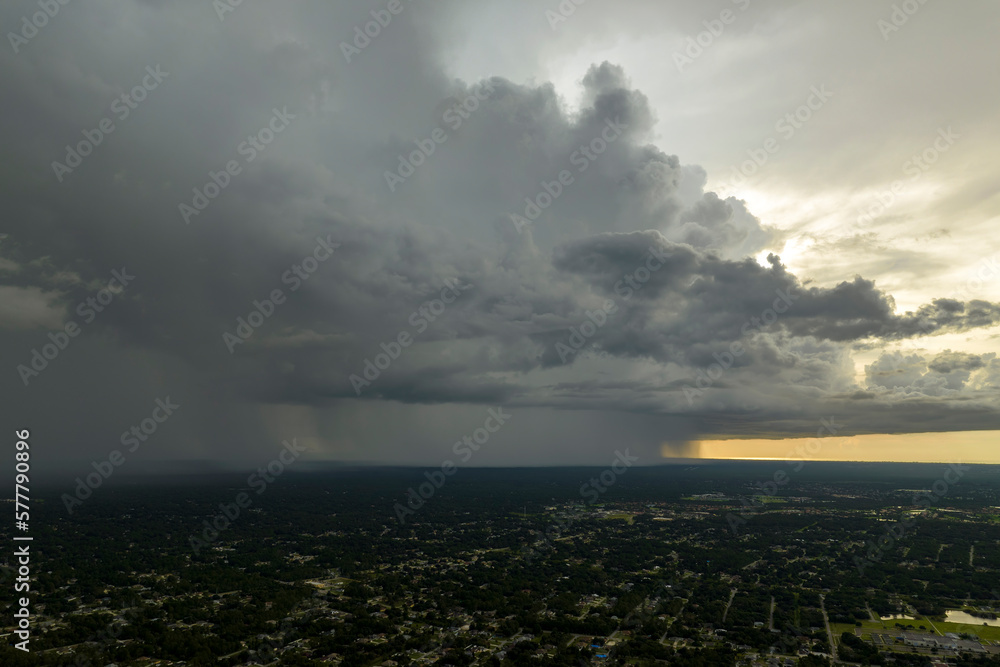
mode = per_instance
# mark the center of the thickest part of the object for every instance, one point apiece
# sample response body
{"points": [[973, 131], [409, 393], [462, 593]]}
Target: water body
{"points": [[953, 616]]}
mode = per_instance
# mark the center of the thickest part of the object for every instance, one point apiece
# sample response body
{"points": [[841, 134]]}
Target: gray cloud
{"points": [[324, 177]]}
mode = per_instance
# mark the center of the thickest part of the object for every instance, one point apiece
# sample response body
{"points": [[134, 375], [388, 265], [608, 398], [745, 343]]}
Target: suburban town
{"points": [[669, 565]]}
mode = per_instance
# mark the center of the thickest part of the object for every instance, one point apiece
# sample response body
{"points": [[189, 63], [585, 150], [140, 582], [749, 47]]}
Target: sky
{"points": [[517, 233]]}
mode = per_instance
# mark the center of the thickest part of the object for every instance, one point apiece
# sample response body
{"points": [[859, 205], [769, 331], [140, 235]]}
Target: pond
{"points": [[954, 616]]}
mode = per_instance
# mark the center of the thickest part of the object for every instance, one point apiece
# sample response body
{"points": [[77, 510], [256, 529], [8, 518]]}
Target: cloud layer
{"points": [[552, 259]]}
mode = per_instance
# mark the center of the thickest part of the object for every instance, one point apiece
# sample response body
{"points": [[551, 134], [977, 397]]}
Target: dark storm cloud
{"points": [[698, 296], [323, 178], [949, 361]]}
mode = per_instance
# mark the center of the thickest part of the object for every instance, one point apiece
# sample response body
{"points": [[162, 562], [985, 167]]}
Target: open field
{"points": [[982, 631], [888, 627]]}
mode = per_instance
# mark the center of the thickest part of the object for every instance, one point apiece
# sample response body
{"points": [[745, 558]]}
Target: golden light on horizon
{"points": [[947, 447]]}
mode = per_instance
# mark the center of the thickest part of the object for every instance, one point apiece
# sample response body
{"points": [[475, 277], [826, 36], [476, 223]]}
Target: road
{"points": [[673, 620], [770, 620], [732, 594], [614, 635], [932, 625], [826, 622]]}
